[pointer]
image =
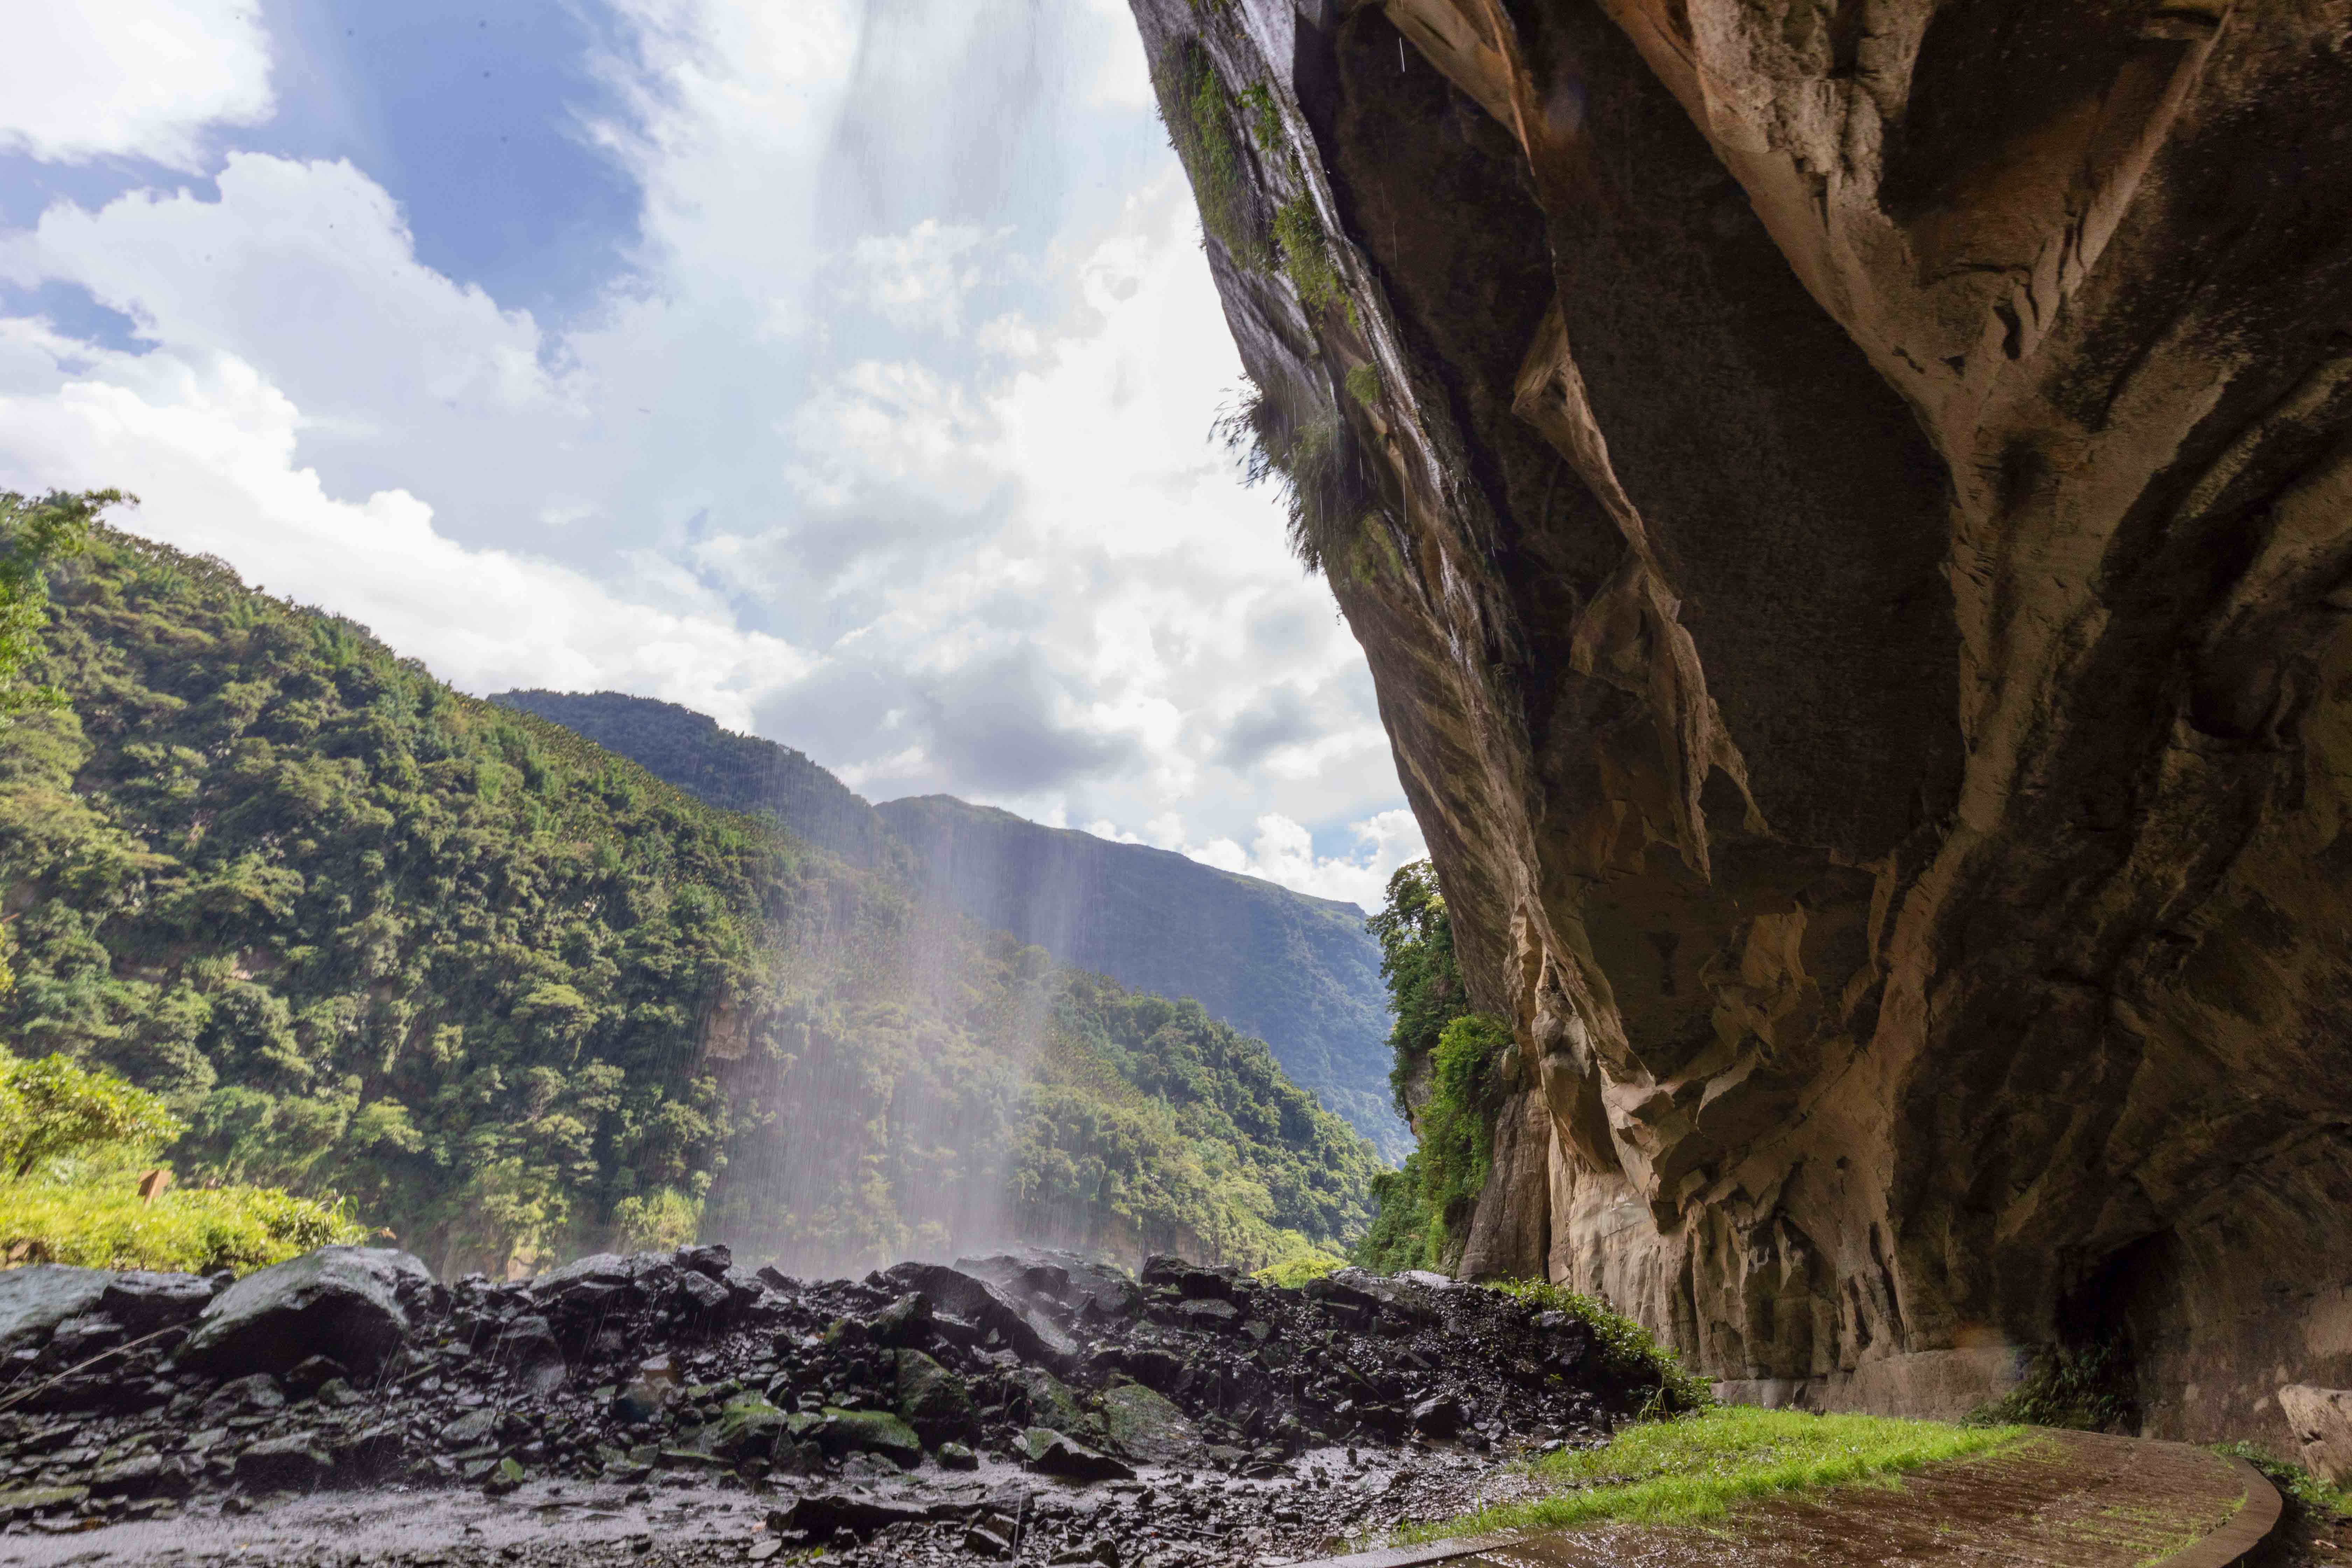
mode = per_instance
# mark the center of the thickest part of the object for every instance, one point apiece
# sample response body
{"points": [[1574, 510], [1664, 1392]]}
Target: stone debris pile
{"points": [[901, 1406]]}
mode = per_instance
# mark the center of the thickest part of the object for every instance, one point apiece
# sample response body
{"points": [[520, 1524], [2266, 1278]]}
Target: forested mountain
{"points": [[1298, 972], [721, 768], [517, 997]]}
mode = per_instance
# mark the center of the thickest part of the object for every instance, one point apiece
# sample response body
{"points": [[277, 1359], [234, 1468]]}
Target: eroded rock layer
{"points": [[1845, 501]]}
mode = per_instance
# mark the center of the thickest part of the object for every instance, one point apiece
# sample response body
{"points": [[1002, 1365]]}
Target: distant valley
{"points": [[1299, 973]]}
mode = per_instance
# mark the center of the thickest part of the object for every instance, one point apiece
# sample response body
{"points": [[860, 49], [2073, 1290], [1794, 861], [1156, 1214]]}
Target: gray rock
{"points": [[147, 1475], [143, 1301], [255, 1394], [339, 1301], [1147, 1428], [1210, 1315], [933, 1400], [873, 1432], [1051, 1453], [1439, 1416], [474, 1426], [1030, 1333], [2321, 1419], [822, 1514], [1052, 1403], [294, 1462], [34, 1300]]}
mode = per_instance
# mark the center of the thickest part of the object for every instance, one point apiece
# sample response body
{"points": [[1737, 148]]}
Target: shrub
{"points": [[1300, 1268], [1199, 118], [1321, 489], [1364, 384], [50, 1109], [103, 1223]]}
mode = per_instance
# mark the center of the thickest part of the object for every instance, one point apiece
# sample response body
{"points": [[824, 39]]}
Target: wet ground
{"points": [[1159, 1520]]}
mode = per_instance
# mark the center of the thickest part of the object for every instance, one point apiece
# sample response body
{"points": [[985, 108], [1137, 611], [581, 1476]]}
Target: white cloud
{"points": [[918, 278], [207, 448], [1000, 560], [141, 79], [1283, 851]]}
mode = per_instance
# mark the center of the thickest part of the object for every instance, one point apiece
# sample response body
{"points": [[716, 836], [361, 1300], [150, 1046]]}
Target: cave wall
{"points": [[1851, 541]]}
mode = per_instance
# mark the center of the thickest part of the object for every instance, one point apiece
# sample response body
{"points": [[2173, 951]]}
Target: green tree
{"points": [[1446, 1076], [36, 535], [50, 1108]]}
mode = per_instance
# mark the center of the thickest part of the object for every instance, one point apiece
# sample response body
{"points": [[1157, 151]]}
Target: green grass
{"points": [[1307, 255], [1695, 1469], [2294, 1480], [1364, 384], [103, 1223]]}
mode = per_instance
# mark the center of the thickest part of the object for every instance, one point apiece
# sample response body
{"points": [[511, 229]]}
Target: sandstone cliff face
{"points": [[1845, 503]]}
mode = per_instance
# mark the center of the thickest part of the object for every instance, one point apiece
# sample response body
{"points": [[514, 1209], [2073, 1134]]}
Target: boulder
{"points": [[1052, 1403], [143, 1301], [475, 1426], [255, 1394], [2321, 1419], [1210, 1315], [294, 1462], [748, 1429], [1029, 1333], [821, 1514], [34, 1300], [873, 1432], [1146, 1428], [346, 1302], [933, 1400], [146, 1475], [1440, 1416], [1051, 1453], [905, 1321]]}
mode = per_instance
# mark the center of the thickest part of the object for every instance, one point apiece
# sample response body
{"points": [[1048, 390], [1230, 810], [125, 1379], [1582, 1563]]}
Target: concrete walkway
{"points": [[2062, 1500]]}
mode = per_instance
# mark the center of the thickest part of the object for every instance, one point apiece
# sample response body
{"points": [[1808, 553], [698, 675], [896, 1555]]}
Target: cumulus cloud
{"points": [[206, 446], [131, 78], [1283, 851], [897, 466]]}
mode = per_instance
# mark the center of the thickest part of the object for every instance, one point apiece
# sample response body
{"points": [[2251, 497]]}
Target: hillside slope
{"points": [[1299, 973], [518, 998]]}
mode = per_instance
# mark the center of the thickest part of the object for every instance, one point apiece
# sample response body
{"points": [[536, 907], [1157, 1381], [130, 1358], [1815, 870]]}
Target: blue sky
{"points": [[842, 369]]}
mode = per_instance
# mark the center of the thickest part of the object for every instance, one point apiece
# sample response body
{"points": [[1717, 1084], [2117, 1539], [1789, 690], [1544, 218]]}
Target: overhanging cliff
{"points": [[1845, 501]]}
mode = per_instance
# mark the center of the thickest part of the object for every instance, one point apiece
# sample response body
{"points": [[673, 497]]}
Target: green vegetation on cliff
{"points": [[512, 997], [1446, 1079]]}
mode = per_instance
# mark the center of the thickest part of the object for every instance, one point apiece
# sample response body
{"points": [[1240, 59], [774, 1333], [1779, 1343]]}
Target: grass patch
{"points": [[1364, 386], [1698, 1467], [1627, 1350], [1264, 120], [1307, 255], [2292, 1479], [103, 1223]]}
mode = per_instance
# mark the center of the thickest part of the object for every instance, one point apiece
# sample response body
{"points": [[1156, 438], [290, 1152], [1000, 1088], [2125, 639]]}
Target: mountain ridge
{"points": [[1296, 971]]}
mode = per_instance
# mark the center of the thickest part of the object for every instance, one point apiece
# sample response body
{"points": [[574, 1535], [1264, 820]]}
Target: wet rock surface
{"points": [[675, 1407]]}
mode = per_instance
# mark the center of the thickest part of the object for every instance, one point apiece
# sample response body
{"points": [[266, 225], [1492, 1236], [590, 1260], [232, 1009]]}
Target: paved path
{"points": [[2065, 1500]]}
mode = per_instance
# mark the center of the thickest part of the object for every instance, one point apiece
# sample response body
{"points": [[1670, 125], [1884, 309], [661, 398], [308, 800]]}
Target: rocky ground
{"points": [[346, 1408]]}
